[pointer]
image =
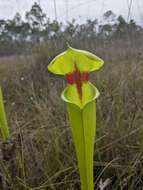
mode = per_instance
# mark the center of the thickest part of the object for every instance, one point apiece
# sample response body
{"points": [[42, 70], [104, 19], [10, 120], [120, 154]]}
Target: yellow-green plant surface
{"points": [[83, 126], [80, 97], [4, 130]]}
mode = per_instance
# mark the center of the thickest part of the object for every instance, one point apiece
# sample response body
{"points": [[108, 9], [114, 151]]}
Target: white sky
{"points": [[79, 9]]}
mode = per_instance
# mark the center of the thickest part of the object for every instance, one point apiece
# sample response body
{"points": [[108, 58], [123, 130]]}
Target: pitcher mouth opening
{"points": [[71, 95]]}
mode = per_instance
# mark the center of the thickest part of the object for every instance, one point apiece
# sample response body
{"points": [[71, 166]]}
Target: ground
{"points": [[44, 152]]}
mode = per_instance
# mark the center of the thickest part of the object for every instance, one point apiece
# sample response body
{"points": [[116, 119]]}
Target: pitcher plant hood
{"points": [[76, 65], [65, 62]]}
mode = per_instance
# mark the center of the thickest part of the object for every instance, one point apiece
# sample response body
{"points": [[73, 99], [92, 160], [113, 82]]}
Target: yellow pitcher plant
{"points": [[4, 130], [80, 96]]}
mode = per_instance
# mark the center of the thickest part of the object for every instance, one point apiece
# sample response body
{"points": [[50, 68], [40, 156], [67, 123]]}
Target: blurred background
{"points": [[32, 33], [24, 23]]}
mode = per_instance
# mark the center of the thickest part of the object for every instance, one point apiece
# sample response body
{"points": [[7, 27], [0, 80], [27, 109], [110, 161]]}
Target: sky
{"points": [[81, 10]]}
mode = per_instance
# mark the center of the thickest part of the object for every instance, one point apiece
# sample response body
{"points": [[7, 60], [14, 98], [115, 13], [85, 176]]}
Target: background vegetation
{"points": [[41, 153]]}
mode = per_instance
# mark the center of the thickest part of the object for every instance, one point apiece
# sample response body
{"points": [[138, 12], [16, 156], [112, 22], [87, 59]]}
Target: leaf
{"points": [[4, 130], [65, 62], [83, 126]]}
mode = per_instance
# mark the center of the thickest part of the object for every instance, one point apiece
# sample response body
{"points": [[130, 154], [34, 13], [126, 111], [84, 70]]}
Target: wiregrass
{"points": [[45, 157]]}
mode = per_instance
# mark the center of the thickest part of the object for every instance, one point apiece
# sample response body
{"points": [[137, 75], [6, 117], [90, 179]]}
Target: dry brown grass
{"points": [[39, 124], [12, 65]]}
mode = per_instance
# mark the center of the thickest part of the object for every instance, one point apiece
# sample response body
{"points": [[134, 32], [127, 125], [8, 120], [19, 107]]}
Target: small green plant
{"points": [[4, 129], [80, 97]]}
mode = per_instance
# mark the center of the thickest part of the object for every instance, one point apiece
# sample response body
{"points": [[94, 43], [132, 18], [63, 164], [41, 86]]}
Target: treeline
{"points": [[17, 36]]}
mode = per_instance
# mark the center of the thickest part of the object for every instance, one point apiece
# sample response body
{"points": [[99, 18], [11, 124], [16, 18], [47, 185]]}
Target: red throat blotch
{"points": [[78, 78]]}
